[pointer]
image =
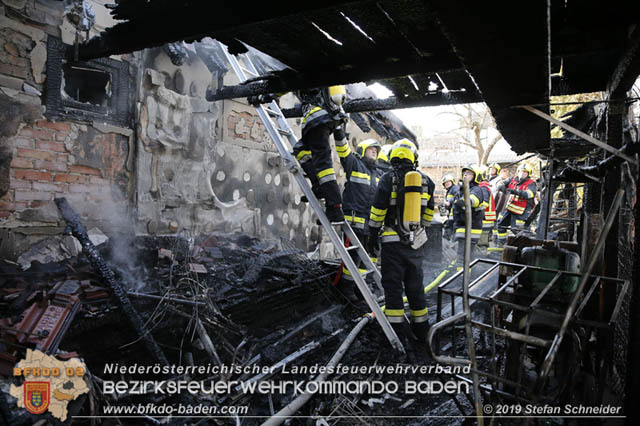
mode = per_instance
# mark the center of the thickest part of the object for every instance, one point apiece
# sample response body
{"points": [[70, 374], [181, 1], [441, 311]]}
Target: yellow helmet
{"points": [[383, 155], [337, 94], [527, 168], [404, 149], [476, 171], [485, 172], [448, 178], [496, 166], [368, 143]]}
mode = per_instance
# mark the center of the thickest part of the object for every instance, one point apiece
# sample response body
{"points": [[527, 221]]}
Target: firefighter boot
{"points": [[422, 352], [334, 213]]}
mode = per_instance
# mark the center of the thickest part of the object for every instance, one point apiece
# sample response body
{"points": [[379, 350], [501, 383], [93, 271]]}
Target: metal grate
{"points": [[517, 325]]}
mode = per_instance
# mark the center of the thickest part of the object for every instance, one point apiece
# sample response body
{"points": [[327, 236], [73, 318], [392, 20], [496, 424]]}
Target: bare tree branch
{"points": [[490, 146], [467, 143]]}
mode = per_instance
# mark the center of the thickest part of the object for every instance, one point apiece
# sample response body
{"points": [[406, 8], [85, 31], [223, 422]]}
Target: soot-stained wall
{"points": [[177, 163]]}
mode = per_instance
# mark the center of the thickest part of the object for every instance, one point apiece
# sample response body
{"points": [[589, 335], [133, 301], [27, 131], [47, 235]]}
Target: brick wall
{"points": [[43, 168], [436, 174]]}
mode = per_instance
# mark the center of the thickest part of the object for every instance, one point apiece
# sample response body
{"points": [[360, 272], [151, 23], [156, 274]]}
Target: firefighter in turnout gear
{"points": [[404, 205], [473, 175], [521, 191], [489, 220], [322, 116], [362, 176], [449, 184], [494, 177]]}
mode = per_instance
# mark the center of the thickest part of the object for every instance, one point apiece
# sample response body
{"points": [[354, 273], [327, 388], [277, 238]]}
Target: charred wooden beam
{"points": [[289, 80], [628, 67], [368, 104], [75, 227], [149, 24]]}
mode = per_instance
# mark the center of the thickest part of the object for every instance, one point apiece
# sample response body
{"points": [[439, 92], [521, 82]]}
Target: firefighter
{"points": [[403, 193], [362, 176], [383, 158], [448, 182], [494, 171], [322, 116], [489, 220], [494, 177], [473, 175], [521, 191]]}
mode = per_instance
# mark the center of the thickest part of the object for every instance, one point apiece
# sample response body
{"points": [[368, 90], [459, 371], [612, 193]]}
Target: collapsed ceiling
{"points": [[434, 52]]}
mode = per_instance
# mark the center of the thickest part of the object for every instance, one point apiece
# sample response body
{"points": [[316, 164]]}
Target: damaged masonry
{"points": [[166, 259]]}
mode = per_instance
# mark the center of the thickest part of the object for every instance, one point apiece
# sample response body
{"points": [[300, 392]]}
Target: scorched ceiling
{"points": [[505, 53]]}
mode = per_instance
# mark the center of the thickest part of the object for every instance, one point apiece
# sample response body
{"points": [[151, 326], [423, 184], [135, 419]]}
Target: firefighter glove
{"points": [[339, 134]]}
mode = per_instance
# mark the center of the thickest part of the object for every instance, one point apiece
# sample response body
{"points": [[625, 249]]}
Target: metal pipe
{"points": [[549, 195], [297, 403], [465, 300], [207, 343], [557, 341], [536, 341]]}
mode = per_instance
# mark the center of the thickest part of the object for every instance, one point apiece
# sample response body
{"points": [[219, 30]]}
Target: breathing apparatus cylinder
{"points": [[412, 201]]}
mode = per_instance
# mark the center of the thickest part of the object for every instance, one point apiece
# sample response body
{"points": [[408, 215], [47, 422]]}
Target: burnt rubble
{"points": [[240, 312], [216, 300]]}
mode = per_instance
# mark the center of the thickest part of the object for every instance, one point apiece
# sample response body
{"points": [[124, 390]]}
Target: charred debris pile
{"points": [[218, 300]]}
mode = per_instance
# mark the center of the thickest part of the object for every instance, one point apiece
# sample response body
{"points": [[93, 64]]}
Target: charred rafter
{"points": [[366, 105]]}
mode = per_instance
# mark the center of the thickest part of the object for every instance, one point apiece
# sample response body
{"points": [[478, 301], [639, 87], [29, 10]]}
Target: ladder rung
{"points": [[248, 71], [272, 112], [352, 248], [367, 272], [284, 131]]}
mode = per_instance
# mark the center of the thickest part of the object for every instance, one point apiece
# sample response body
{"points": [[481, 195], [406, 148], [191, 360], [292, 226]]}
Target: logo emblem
{"points": [[36, 396]]}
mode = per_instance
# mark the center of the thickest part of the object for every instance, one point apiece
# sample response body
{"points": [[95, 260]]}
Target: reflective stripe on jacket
{"points": [[489, 206], [477, 212], [362, 182], [517, 204]]}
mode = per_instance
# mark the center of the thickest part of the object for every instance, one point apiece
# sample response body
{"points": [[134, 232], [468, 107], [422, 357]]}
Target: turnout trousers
{"points": [[313, 152], [402, 270], [510, 220]]}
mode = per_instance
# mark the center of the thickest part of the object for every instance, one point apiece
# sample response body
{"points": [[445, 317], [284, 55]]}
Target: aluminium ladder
{"points": [[279, 130]]}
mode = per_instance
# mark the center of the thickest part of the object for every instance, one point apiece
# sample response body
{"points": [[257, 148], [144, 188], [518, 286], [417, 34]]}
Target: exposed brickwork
{"points": [[243, 125], [42, 168]]}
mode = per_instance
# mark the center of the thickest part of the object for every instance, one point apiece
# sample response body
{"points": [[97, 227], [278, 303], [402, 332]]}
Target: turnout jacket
{"points": [[389, 203], [360, 188], [450, 197], [489, 219], [317, 109], [521, 200], [477, 214]]}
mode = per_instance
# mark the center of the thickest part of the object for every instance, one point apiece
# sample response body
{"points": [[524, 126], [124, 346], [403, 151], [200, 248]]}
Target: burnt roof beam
{"points": [[367, 105], [507, 56], [627, 69], [151, 24], [289, 80]]}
